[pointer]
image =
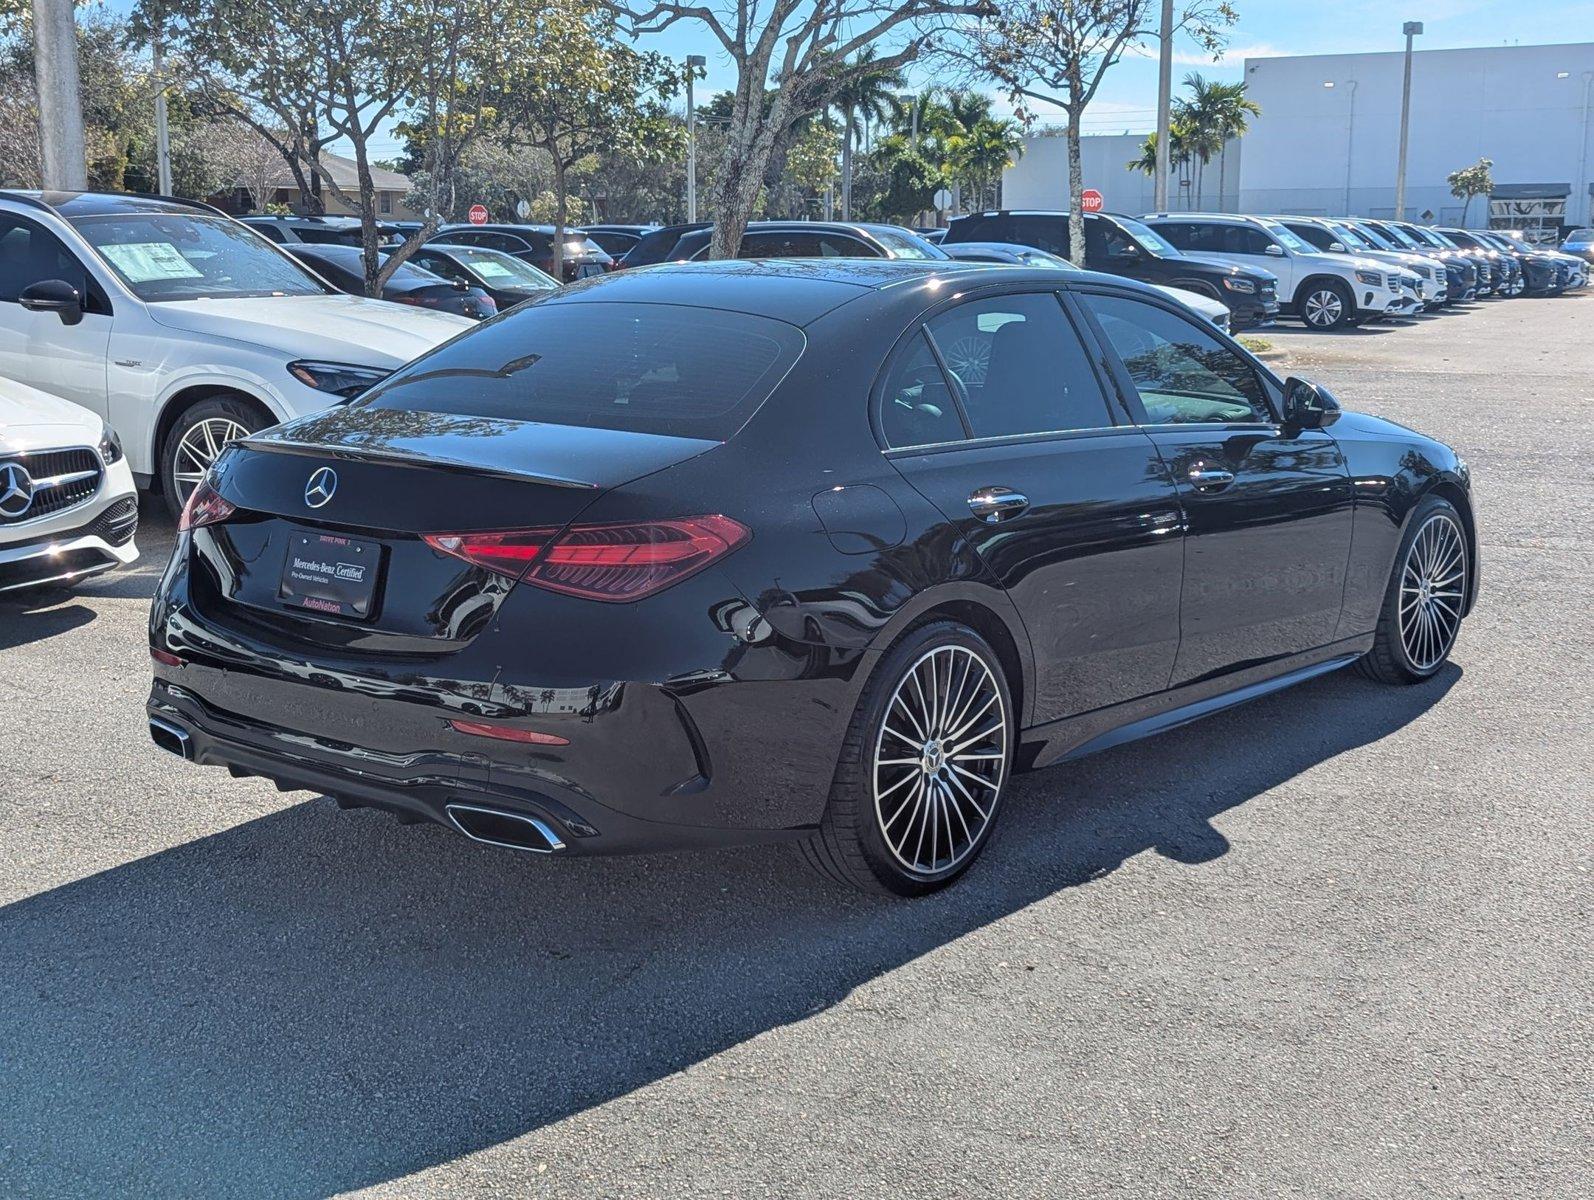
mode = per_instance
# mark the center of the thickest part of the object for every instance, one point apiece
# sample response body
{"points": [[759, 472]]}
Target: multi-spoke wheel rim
{"points": [[940, 760], [199, 446], [1324, 308], [968, 358], [1432, 589]]}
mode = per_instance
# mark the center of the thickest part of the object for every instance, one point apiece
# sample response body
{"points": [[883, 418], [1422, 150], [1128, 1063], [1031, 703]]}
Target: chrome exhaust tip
{"points": [[511, 831], [169, 735]]}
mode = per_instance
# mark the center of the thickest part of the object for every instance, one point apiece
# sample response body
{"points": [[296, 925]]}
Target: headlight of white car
{"points": [[341, 379], [110, 446]]}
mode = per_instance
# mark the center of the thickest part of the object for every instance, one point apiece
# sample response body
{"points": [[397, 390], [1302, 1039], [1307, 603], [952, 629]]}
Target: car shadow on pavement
{"points": [[35, 615], [312, 1002]]}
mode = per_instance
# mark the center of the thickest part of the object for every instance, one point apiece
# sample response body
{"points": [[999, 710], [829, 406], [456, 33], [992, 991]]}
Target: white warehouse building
{"points": [[1327, 142]]}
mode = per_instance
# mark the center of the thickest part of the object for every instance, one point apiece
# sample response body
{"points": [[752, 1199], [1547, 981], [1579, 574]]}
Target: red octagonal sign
{"points": [[1090, 200], [478, 213]]}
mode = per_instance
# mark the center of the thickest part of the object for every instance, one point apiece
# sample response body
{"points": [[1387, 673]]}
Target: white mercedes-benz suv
{"points": [[67, 503], [182, 327], [1326, 291]]}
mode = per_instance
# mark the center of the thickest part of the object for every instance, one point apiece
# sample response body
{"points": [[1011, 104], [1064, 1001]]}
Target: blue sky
{"points": [[1266, 27]]}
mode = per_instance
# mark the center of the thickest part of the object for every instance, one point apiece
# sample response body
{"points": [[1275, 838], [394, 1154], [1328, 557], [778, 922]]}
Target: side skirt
{"points": [[1075, 737]]}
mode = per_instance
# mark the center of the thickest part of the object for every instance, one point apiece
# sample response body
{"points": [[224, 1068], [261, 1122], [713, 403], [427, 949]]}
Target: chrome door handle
{"points": [[991, 504], [1206, 478]]}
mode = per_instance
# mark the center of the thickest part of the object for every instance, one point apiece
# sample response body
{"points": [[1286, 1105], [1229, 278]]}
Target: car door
{"points": [[1251, 246], [38, 348], [1267, 507], [996, 413], [1108, 248]]}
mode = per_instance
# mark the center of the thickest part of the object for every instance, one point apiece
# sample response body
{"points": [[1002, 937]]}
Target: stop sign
{"points": [[478, 212], [1090, 200]]}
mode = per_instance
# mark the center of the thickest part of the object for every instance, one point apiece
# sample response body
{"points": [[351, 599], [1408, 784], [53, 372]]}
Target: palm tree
{"points": [[865, 95], [959, 113], [983, 152], [1218, 113], [1178, 150]]}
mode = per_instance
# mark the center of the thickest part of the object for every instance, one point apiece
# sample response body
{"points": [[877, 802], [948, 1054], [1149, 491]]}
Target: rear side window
{"points": [[917, 407], [1019, 366], [646, 368]]}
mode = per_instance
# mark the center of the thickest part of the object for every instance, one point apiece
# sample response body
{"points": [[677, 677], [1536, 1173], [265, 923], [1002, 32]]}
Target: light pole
{"points": [[61, 152], [1582, 158], [911, 102], [694, 64], [1164, 106], [1411, 29], [163, 137]]}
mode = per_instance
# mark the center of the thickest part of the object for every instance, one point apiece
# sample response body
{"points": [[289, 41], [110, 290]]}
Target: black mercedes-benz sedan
{"points": [[821, 551]]}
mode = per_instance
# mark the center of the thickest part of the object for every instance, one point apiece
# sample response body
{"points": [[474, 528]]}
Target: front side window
{"points": [[1319, 237], [1150, 240], [29, 255], [1019, 366], [1183, 373], [181, 257]]}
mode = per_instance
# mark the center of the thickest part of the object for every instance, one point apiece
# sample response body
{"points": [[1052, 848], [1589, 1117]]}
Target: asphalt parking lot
{"points": [[1335, 943]]}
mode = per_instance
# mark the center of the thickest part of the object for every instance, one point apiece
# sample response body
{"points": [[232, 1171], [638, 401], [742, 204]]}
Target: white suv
{"points": [[1327, 291], [181, 327]]}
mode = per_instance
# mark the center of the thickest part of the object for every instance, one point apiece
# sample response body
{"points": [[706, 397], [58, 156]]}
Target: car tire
{"points": [[1326, 305], [868, 838], [200, 432], [1425, 598]]}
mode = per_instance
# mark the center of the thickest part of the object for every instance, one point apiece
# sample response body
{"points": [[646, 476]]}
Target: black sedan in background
{"points": [[814, 239], [809, 551], [507, 279], [344, 268]]}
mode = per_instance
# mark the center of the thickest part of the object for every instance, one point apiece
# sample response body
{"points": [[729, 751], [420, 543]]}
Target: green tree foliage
{"points": [[1058, 51], [1476, 180], [584, 90]]}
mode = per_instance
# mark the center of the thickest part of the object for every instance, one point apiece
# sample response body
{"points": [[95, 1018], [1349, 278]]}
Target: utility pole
{"points": [[1411, 29], [163, 137], [1582, 165], [61, 152], [1164, 108], [1350, 142], [694, 63]]}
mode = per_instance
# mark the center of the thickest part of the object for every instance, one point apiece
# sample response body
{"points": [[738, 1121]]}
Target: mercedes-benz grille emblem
{"points": [[321, 486], [16, 490]]}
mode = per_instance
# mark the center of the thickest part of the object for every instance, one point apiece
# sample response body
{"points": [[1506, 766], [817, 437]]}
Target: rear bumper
{"points": [[437, 781]]}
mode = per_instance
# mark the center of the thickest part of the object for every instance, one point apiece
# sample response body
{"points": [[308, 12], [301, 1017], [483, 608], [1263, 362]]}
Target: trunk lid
{"points": [[347, 494]]}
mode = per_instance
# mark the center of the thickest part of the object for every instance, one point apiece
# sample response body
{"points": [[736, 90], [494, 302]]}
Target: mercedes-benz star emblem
{"points": [[16, 490], [321, 486]]}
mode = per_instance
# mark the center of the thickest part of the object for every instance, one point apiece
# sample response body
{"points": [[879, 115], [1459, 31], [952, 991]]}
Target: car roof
{"points": [[801, 290], [94, 204]]}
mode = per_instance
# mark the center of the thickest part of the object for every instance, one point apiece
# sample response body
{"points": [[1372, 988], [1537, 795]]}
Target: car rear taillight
{"points": [[205, 507], [614, 563]]}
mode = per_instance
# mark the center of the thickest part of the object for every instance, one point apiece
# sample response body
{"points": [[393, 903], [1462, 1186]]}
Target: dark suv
{"points": [[1121, 245]]}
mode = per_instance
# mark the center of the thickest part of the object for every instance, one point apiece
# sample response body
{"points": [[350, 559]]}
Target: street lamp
{"points": [[694, 64], [1582, 157], [1411, 29]]}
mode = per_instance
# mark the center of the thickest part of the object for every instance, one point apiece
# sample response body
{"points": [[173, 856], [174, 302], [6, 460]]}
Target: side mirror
{"points": [[1276, 250], [1336, 247], [1308, 405], [53, 295]]}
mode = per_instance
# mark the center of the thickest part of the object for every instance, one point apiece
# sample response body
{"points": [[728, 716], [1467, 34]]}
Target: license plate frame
{"points": [[331, 575]]}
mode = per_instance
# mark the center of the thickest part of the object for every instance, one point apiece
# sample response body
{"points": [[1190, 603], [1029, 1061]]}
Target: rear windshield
{"points": [[645, 368]]}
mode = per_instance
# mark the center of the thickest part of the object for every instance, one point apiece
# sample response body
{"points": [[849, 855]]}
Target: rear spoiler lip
{"points": [[278, 444]]}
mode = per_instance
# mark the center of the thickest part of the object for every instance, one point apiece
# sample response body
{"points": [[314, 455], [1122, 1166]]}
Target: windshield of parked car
{"points": [[499, 270], [1041, 258], [1432, 238], [1288, 238], [1148, 238], [1378, 240], [1401, 238], [171, 256], [1349, 238], [899, 245], [647, 368], [1579, 237]]}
